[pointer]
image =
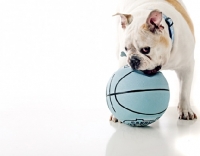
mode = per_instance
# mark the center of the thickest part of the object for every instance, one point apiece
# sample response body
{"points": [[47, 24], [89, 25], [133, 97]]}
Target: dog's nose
{"points": [[134, 62]]}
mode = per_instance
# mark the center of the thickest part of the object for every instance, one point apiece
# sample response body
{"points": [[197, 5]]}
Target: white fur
{"points": [[178, 56]]}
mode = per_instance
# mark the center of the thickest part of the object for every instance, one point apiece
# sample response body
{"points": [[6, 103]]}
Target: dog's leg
{"points": [[113, 118], [185, 76]]}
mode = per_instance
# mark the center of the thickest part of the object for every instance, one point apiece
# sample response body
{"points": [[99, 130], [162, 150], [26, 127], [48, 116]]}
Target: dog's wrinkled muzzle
{"points": [[134, 62]]}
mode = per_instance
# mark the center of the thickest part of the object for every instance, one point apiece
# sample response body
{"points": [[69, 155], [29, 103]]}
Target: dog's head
{"points": [[146, 41]]}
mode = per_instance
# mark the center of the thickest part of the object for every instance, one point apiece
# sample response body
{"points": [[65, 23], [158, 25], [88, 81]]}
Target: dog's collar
{"points": [[169, 23]]}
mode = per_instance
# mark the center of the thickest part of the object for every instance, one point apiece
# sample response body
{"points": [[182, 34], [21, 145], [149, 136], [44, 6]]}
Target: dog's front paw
{"points": [[186, 113], [113, 118]]}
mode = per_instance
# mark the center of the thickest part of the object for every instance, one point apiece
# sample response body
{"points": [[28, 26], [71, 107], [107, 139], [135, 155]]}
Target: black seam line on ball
{"points": [[109, 93], [121, 79], [136, 91], [138, 112], [106, 94]]}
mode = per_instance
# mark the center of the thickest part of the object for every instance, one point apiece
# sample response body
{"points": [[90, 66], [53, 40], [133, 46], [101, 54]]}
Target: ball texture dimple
{"points": [[135, 98]]}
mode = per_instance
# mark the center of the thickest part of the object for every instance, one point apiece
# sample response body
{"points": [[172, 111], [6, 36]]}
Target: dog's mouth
{"points": [[153, 71], [134, 62]]}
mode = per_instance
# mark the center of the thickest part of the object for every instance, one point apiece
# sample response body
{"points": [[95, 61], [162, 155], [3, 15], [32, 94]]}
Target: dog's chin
{"points": [[153, 71]]}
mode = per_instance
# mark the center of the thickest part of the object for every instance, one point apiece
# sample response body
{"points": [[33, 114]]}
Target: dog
{"points": [[158, 35]]}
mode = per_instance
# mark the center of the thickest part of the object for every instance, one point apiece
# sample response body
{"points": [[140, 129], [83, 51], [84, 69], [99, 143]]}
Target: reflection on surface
{"points": [[167, 137], [187, 141], [129, 141]]}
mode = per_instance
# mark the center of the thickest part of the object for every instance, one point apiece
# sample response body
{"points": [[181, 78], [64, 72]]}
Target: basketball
{"points": [[137, 99]]}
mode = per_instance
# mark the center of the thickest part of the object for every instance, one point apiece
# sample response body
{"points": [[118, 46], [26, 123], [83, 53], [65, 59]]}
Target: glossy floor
{"points": [[89, 133]]}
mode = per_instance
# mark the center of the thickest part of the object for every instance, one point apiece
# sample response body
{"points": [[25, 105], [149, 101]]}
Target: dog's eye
{"points": [[145, 50], [126, 48]]}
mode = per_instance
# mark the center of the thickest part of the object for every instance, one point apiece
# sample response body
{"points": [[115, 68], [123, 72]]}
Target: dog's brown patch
{"points": [[183, 12], [164, 41], [145, 26]]}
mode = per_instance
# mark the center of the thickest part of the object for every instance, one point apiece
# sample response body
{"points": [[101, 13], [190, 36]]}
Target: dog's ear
{"points": [[153, 21], [126, 19]]}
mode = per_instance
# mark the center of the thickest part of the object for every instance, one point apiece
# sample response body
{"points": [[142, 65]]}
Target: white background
{"points": [[60, 54], [56, 57], [54, 54]]}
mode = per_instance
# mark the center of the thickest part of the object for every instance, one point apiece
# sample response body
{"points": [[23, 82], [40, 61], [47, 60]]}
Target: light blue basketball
{"points": [[137, 99]]}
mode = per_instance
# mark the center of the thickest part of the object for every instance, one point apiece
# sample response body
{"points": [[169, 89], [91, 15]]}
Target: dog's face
{"points": [[146, 42]]}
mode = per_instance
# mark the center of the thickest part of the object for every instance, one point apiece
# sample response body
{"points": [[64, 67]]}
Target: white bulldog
{"points": [[154, 35]]}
